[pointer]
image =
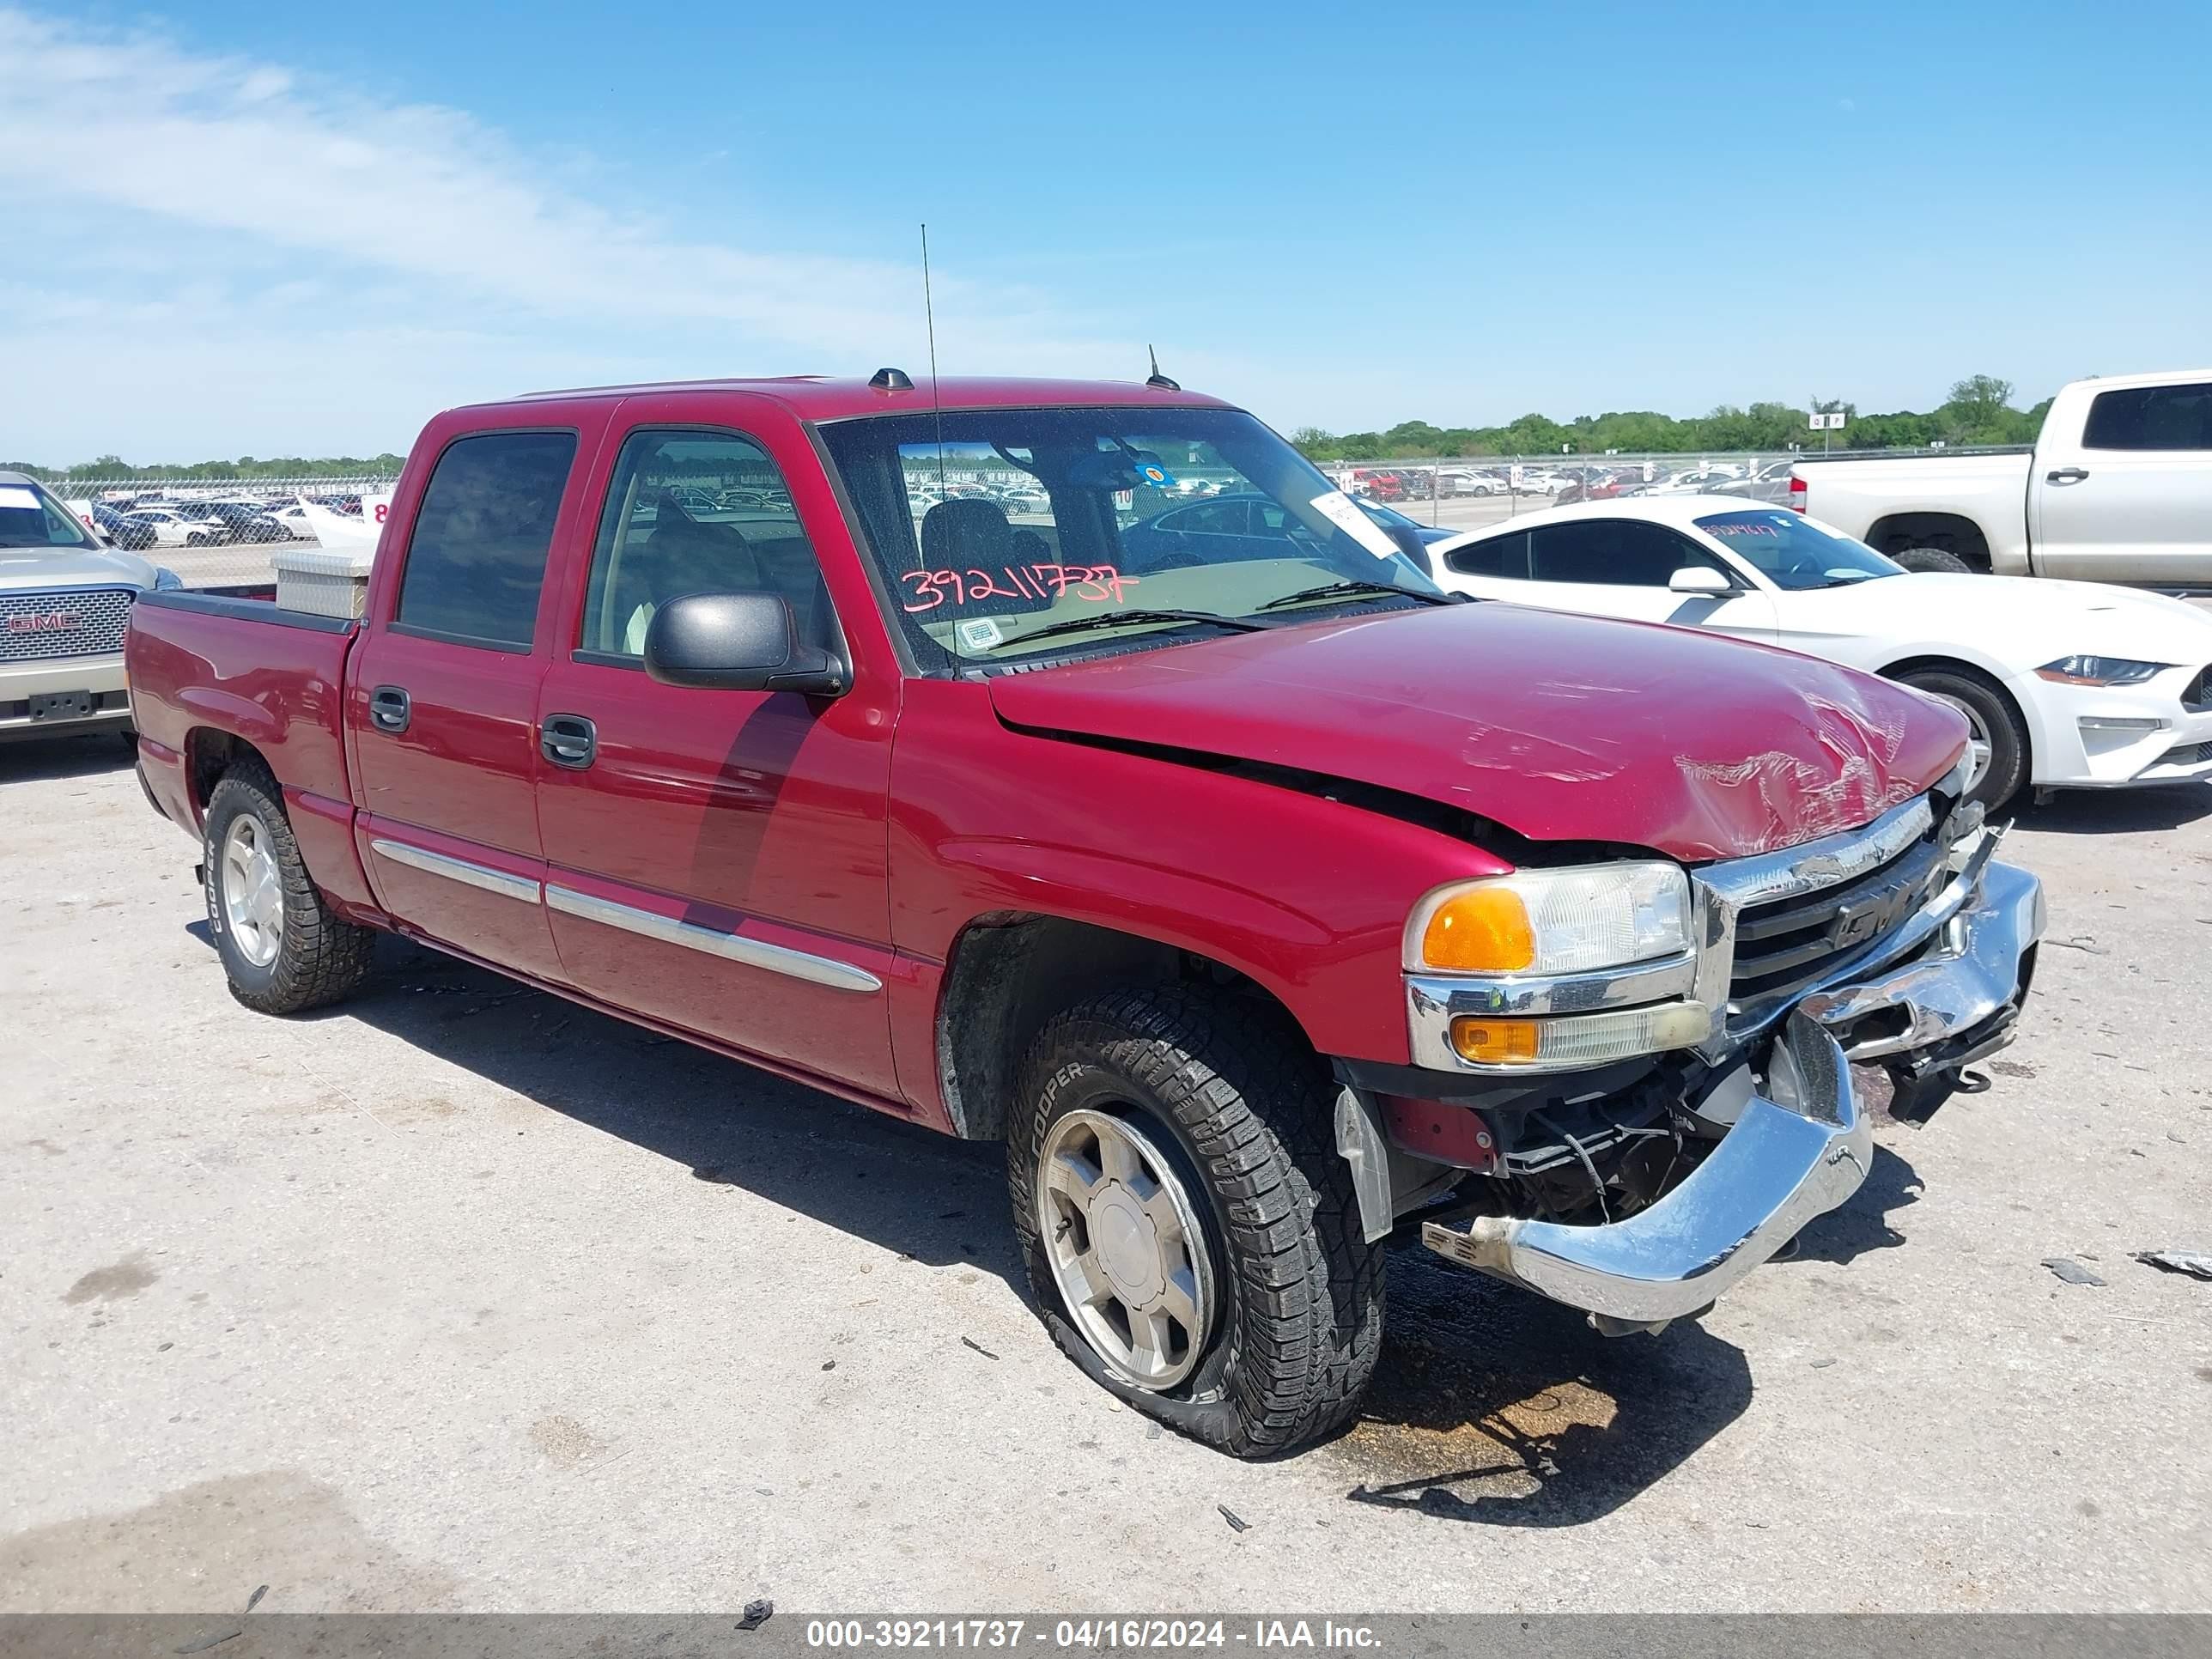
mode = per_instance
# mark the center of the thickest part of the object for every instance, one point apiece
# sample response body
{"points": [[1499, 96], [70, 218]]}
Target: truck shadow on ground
{"points": [[2115, 812], [32, 760], [902, 1187], [1488, 1404]]}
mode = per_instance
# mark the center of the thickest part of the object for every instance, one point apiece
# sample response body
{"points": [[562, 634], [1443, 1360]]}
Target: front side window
{"points": [[695, 512], [1794, 552], [477, 558], [29, 518], [996, 538], [2150, 417], [1612, 552]]}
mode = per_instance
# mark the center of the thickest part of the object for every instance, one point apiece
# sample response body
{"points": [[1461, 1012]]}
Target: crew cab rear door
{"points": [[2122, 492], [443, 690], [717, 860]]}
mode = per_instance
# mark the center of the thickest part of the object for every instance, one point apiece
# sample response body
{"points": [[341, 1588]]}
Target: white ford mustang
{"points": [[2066, 684]]}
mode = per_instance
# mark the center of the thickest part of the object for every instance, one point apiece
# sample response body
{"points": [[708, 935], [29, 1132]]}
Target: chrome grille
{"points": [[70, 622], [1785, 945]]}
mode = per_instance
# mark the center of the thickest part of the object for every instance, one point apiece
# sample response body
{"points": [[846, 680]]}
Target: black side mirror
{"points": [[737, 642], [1408, 541]]}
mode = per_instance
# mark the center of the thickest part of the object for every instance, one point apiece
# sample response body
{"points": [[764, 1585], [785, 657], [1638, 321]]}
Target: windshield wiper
{"points": [[1117, 618], [1354, 586]]}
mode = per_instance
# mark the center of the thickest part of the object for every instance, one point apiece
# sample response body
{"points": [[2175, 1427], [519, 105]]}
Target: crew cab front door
{"points": [[716, 861]]}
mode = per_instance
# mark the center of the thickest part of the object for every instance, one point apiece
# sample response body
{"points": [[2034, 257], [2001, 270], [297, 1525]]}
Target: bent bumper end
{"points": [[1794, 1152], [1787, 1159]]}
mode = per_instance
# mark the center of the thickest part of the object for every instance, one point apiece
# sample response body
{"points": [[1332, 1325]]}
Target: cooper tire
{"points": [[1994, 721], [1239, 1113], [1937, 559], [304, 955]]}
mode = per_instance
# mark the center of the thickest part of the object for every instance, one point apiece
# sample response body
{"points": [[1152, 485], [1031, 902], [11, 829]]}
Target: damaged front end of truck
{"points": [[1632, 1141]]}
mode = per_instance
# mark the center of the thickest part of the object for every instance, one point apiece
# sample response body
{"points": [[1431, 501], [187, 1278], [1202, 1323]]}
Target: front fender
{"points": [[1305, 895]]}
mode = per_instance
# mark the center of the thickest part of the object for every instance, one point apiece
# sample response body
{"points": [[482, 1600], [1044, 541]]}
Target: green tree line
{"points": [[245, 467], [1979, 411]]}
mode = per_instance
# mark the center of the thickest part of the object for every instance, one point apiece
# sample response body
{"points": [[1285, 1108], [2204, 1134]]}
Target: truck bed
{"points": [[205, 670]]}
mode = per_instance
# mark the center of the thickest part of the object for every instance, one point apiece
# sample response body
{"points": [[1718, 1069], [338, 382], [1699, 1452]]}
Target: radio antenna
{"points": [[936, 396]]}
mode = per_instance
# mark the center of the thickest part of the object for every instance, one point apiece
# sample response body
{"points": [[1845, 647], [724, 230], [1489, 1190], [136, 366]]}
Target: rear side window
{"points": [[477, 559], [2150, 417], [1503, 557]]}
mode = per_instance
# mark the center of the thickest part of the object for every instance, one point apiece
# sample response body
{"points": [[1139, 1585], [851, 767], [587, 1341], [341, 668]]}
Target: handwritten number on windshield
{"points": [[1096, 584]]}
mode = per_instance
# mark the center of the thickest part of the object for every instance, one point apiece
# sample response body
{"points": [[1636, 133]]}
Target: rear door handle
{"points": [[389, 709], [2066, 475], [568, 740]]}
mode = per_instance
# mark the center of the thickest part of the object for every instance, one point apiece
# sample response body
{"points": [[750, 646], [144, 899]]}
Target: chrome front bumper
{"points": [[1797, 1151]]}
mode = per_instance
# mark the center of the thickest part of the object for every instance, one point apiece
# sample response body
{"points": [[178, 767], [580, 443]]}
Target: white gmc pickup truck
{"points": [[2117, 489]]}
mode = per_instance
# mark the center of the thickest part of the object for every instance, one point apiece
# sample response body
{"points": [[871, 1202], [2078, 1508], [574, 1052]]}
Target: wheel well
{"points": [[208, 754], [1951, 531], [1898, 671], [1012, 972]]}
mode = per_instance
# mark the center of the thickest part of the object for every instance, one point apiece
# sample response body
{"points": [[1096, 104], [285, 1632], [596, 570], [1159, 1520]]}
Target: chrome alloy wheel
{"points": [[1978, 740], [251, 892], [1126, 1248]]}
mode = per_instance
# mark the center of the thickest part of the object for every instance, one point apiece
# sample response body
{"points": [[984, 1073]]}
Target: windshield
{"points": [[1797, 553], [1024, 521], [31, 517]]}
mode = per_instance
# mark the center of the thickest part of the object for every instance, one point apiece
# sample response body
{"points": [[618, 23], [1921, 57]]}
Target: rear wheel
{"points": [[283, 949], [1996, 737], [1191, 1234], [1932, 558]]}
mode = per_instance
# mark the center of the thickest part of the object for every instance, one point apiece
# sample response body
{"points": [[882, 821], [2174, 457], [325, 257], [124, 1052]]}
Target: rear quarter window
{"points": [[476, 560]]}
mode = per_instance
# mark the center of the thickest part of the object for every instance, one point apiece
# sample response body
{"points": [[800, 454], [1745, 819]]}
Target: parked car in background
{"points": [[172, 529], [2117, 487], [248, 521], [131, 534], [2065, 684], [1262, 906], [65, 603], [1453, 481], [293, 516], [1770, 483]]}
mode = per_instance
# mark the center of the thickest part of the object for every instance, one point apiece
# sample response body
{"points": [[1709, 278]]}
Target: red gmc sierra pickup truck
{"points": [[1260, 899]]}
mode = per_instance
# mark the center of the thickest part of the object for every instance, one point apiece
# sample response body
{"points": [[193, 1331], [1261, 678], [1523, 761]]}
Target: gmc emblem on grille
{"points": [[1856, 923], [50, 621]]}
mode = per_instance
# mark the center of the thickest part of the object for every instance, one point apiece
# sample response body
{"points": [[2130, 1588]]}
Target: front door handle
{"points": [[389, 709], [2066, 475], [568, 740]]}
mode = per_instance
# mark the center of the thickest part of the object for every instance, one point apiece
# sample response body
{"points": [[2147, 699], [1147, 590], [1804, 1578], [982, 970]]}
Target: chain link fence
{"points": [[222, 534]]}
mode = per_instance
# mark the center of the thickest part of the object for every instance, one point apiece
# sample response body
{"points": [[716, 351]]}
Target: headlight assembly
{"points": [[166, 579], [2100, 671], [1574, 920]]}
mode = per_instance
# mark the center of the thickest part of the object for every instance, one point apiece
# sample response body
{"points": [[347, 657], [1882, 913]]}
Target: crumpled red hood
{"points": [[1560, 728]]}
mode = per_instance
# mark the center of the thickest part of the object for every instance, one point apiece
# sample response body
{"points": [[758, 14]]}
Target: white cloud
{"points": [[279, 217]]}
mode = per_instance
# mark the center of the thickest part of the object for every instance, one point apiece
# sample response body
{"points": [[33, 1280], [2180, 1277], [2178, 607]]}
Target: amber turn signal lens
{"points": [[1482, 930], [1494, 1041]]}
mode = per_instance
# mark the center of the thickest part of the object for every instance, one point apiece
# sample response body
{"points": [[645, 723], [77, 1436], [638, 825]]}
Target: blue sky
{"points": [[243, 229]]}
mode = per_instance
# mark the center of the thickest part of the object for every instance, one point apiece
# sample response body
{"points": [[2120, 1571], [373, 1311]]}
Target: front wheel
{"points": [[283, 949], [1997, 741], [1191, 1234]]}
